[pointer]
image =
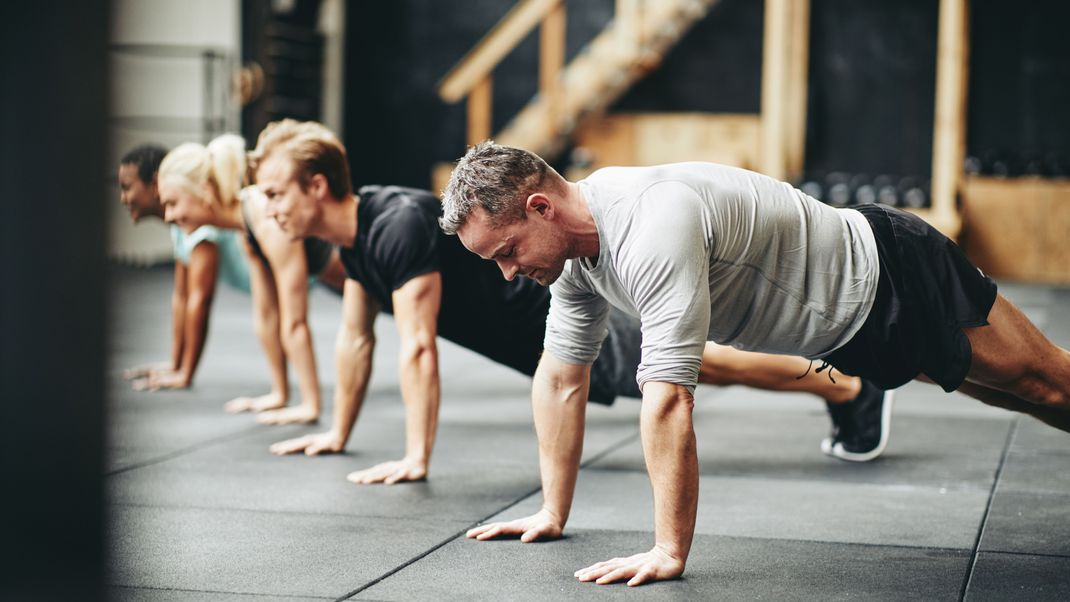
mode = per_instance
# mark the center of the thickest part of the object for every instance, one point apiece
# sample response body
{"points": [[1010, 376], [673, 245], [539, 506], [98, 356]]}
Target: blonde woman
{"points": [[202, 258], [202, 185]]}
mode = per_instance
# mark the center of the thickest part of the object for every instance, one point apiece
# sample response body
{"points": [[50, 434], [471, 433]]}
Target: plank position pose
{"points": [[398, 261], [702, 252], [202, 257], [202, 186]]}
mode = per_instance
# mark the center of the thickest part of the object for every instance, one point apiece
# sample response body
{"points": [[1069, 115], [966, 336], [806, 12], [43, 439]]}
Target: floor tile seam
{"points": [[799, 540], [211, 591], [275, 512], [239, 434], [968, 577], [1027, 554], [935, 488], [408, 563], [611, 448]]}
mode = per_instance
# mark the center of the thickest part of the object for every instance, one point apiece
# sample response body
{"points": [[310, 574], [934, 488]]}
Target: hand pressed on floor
{"points": [[539, 526], [655, 565], [302, 414], [269, 401], [312, 445], [388, 473]]}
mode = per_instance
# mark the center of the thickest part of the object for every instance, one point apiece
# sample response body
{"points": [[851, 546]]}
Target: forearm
{"points": [[672, 463], [178, 329], [267, 332], [421, 392], [560, 412], [353, 358], [195, 333], [297, 340]]}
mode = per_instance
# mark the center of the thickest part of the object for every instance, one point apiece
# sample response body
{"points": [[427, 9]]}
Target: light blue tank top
{"points": [[233, 268]]}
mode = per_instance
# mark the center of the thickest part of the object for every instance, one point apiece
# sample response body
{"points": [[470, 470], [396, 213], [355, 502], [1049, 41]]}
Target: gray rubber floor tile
{"points": [[141, 594], [265, 553], [784, 509], [719, 568], [1036, 472], [1034, 436], [954, 453], [1028, 523], [1019, 577]]}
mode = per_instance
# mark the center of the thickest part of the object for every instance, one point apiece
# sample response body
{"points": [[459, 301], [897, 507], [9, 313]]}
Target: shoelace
{"points": [[823, 366]]}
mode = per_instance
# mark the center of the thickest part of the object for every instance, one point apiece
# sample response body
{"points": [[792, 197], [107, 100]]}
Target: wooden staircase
{"points": [[631, 45]]}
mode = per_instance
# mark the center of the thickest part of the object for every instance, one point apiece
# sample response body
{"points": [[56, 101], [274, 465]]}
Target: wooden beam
{"points": [[949, 128], [479, 112], [774, 88], [477, 65], [551, 61], [798, 86]]}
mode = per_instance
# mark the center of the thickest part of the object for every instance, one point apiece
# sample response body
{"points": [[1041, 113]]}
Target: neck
{"points": [[579, 224], [339, 221], [229, 217]]}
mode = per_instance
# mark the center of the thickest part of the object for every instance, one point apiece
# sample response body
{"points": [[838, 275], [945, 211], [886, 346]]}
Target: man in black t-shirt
{"points": [[398, 260]]}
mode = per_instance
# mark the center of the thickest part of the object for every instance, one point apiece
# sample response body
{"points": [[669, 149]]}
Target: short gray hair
{"points": [[495, 177]]}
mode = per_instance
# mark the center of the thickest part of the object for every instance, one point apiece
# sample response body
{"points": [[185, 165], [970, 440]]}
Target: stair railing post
{"points": [[479, 111], [551, 62]]}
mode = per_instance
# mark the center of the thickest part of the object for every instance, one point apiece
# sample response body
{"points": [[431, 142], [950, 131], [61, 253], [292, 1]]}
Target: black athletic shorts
{"points": [[926, 294]]}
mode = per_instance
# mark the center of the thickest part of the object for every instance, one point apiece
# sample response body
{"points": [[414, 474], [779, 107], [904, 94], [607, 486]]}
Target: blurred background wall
{"points": [[867, 118]]}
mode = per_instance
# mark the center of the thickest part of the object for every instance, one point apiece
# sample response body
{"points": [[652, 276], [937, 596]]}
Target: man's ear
{"points": [[541, 204], [318, 185]]}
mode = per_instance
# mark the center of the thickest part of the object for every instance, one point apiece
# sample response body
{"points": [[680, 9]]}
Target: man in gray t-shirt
{"points": [[701, 252]]}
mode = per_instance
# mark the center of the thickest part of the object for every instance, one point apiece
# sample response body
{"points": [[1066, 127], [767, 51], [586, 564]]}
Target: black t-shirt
{"points": [[398, 238]]}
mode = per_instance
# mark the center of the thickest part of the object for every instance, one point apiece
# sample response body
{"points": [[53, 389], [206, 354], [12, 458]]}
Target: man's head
{"points": [[299, 166], [504, 203], [137, 181]]}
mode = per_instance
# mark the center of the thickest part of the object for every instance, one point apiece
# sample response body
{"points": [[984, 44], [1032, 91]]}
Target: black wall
{"points": [[1020, 79], [53, 146]]}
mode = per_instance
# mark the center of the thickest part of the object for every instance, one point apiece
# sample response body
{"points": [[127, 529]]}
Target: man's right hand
{"points": [[312, 445], [539, 526]]}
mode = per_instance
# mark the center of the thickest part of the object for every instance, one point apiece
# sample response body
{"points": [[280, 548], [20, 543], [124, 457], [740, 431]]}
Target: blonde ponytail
{"points": [[195, 168], [227, 166]]}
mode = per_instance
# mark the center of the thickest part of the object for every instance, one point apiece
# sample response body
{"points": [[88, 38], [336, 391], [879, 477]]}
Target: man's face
{"points": [[184, 209], [533, 247], [139, 197], [291, 207]]}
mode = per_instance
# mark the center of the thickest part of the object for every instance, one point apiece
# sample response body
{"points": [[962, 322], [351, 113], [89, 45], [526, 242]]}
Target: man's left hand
{"points": [[655, 565]]}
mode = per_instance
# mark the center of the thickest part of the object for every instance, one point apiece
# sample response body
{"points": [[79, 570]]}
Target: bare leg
{"points": [[1011, 355], [724, 366]]}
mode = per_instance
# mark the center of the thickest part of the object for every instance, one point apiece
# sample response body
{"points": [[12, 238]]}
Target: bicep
{"points": [[358, 309], [416, 305], [576, 324]]}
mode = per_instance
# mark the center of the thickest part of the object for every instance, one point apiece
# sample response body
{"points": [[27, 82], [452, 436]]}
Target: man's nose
{"points": [[508, 269]]}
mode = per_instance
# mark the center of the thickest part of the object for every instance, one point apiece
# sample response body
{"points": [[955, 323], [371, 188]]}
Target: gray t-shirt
{"points": [[702, 252]]}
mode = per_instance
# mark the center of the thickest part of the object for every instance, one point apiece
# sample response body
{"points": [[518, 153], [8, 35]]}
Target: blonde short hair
{"points": [[218, 167], [312, 147]]}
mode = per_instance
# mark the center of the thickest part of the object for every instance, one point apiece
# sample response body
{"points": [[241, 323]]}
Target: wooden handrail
{"points": [[477, 65]]}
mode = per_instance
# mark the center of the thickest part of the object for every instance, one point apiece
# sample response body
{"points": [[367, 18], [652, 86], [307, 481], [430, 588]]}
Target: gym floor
{"points": [[967, 502]]}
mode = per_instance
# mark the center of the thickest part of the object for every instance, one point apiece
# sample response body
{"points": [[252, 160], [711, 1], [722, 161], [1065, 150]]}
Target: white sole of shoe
{"points": [[837, 450]]}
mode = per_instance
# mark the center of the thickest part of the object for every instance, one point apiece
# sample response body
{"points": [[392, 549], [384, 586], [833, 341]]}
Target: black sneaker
{"points": [[860, 426]]}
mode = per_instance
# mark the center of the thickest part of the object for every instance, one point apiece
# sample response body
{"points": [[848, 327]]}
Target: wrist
{"points": [[556, 517]]}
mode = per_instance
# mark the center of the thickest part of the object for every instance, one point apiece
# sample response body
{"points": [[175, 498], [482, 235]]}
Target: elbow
{"points": [[419, 348], [664, 402], [293, 331], [353, 342]]}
